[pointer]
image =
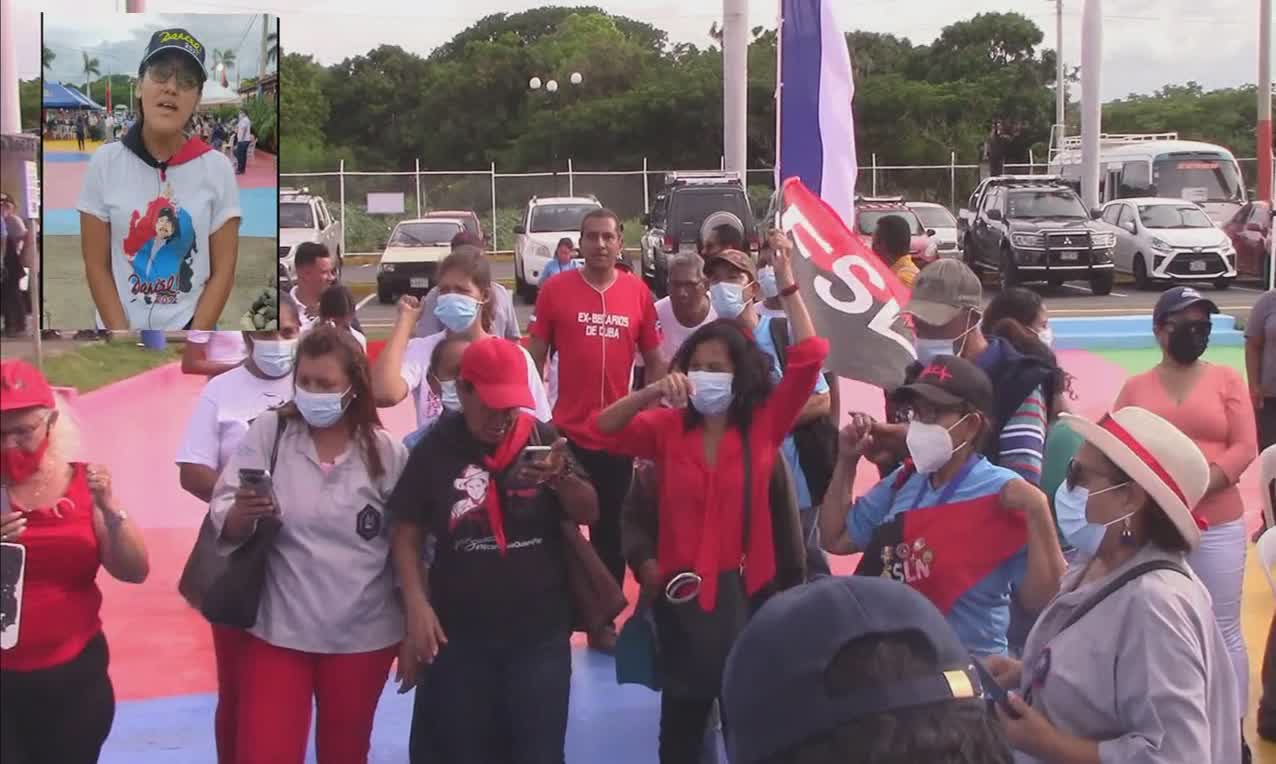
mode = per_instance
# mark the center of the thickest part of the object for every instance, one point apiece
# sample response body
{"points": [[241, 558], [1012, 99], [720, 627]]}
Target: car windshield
{"points": [[1044, 204], [467, 218], [424, 234], [552, 218], [1198, 178], [935, 217], [1172, 216], [296, 215], [867, 220], [693, 206]]}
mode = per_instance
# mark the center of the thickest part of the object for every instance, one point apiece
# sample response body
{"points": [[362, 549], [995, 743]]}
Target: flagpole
{"points": [[779, 108]]}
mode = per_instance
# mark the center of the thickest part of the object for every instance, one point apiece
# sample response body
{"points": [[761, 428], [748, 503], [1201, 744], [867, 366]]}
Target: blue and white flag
{"points": [[816, 139]]}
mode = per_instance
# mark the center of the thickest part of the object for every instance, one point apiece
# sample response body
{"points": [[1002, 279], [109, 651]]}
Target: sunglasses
{"points": [[165, 69], [1078, 475]]}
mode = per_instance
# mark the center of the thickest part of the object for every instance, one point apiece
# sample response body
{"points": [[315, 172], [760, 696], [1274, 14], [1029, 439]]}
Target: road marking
{"points": [[1086, 292], [1247, 289], [1132, 311], [364, 301]]}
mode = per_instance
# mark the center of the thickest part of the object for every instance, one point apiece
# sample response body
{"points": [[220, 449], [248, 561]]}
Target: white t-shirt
{"points": [[220, 347], [243, 130], [229, 403], [429, 407], [304, 317], [672, 332], [159, 280]]}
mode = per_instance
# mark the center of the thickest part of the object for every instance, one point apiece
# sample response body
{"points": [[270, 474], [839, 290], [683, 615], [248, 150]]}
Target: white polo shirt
{"points": [[330, 585], [220, 347], [226, 407]]}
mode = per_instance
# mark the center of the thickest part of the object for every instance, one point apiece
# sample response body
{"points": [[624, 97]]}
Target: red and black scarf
{"points": [[497, 462]]}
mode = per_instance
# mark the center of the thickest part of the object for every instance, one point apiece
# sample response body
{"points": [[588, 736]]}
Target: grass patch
{"points": [[98, 365]]}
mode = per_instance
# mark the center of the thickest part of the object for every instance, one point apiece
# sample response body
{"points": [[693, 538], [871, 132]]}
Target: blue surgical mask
{"points": [[320, 409], [1069, 509], [456, 311], [447, 393], [727, 299], [711, 391], [274, 358], [766, 280]]}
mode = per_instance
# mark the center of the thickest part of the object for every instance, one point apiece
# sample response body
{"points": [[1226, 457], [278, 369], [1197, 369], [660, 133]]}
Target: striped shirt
{"points": [[1022, 441]]}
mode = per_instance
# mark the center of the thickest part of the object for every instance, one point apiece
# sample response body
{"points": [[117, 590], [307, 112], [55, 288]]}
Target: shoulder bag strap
{"points": [[1120, 581], [748, 492], [281, 424]]}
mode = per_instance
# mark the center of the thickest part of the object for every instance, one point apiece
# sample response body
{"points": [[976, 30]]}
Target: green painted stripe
{"points": [[1139, 361]]}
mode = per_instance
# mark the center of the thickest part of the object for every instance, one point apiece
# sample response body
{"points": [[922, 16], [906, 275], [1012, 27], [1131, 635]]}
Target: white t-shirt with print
{"points": [[161, 279], [220, 347], [429, 407], [228, 404], [672, 332]]}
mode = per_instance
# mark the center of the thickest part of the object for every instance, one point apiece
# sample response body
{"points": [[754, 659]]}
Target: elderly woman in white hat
{"points": [[1126, 664]]}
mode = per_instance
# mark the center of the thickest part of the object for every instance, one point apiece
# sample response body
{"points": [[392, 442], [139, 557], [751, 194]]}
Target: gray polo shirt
{"points": [[1262, 323], [504, 319], [1146, 672], [330, 586]]}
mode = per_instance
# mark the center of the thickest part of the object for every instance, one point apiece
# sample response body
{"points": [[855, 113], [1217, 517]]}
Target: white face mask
{"points": [[320, 409], [931, 445], [929, 350], [1046, 336], [447, 394], [274, 358]]}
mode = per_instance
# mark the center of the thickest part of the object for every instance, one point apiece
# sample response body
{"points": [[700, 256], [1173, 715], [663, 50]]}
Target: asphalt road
{"points": [[1069, 300]]}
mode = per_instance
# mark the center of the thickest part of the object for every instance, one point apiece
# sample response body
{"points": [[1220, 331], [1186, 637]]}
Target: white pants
{"points": [[1220, 564]]}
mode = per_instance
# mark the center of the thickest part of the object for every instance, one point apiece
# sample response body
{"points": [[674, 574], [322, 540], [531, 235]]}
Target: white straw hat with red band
{"points": [[1156, 455]]}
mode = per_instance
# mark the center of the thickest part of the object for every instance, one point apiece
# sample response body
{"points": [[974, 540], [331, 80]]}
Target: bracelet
{"points": [[789, 290], [114, 519]]}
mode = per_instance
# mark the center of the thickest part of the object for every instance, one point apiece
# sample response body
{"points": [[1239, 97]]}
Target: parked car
{"points": [[869, 210], [940, 225], [1037, 229], [678, 214], [1168, 240], [468, 217], [545, 222], [410, 262], [304, 217], [1250, 231]]}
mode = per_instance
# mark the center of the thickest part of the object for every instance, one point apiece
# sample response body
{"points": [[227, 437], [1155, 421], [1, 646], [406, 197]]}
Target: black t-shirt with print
{"points": [[473, 587]]}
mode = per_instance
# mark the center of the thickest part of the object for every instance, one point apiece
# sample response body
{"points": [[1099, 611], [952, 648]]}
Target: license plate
{"points": [[1071, 257], [1198, 266], [420, 283]]}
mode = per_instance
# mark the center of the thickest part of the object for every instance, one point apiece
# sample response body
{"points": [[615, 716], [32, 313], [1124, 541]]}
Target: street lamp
{"points": [[551, 87]]}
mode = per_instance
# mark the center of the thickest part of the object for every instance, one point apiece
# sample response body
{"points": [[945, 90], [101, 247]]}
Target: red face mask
{"points": [[17, 465]]}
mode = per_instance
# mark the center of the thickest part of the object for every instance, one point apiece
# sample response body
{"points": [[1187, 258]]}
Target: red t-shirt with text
{"points": [[596, 333]]}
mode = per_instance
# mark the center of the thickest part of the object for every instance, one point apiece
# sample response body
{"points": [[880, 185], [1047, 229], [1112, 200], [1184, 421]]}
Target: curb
{"points": [[364, 289]]}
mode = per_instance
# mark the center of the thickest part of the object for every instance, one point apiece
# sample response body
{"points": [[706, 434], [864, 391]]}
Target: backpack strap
{"points": [[779, 331], [1112, 586], [281, 424]]}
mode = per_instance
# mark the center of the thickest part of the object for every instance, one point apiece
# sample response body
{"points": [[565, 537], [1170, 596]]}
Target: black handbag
{"points": [[694, 644], [234, 596]]}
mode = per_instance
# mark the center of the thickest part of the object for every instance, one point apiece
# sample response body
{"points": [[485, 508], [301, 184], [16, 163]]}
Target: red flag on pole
{"points": [[108, 93], [851, 292]]}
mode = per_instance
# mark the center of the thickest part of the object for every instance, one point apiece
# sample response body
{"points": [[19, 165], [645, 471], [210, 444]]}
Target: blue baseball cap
{"points": [[774, 691], [1178, 299]]}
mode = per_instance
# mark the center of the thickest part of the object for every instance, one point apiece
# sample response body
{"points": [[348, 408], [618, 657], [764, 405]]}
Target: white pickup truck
{"points": [[304, 217]]}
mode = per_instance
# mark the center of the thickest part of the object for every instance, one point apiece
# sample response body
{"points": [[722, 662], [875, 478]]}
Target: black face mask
{"points": [[1188, 341]]}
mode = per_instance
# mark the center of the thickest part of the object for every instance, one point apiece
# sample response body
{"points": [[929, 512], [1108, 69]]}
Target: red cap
{"points": [[22, 386], [498, 370]]}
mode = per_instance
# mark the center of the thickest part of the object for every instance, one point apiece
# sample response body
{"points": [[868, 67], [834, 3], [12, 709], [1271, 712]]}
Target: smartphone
{"points": [[993, 691], [258, 480], [13, 566], [534, 454]]}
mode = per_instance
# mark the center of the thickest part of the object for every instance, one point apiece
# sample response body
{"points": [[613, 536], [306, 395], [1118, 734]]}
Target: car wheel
{"points": [[1101, 283], [521, 287], [1142, 281], [1007, 268], [385, 296], [1223, 283]]}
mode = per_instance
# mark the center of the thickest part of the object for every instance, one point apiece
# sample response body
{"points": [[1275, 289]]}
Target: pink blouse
{"points": [[1218, 416]]}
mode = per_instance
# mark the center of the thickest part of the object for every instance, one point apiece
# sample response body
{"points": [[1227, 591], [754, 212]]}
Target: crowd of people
{"points": [[1033, 586]]}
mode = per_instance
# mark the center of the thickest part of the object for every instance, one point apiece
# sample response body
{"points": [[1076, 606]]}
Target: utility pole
{"points": [[1264, 132], [10, 106], [261, 61], [735, 85], [1060, 96], [1091, 103]]}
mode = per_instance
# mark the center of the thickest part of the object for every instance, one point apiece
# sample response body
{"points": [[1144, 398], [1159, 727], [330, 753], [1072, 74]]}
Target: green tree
{"points": [[46, 57], [90, 68]]}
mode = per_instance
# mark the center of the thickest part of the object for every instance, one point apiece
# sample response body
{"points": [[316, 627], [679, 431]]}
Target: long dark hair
{"points": [[751, 385], [469, 261], [361, 415], [1008, 316]]}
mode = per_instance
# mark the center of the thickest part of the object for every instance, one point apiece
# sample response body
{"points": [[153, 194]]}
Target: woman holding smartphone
{"points": [[159, 210], [330, 620]]}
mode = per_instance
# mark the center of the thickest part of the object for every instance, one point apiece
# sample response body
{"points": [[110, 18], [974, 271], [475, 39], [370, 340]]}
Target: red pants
{"points": [[276, 686], [228, 648]]}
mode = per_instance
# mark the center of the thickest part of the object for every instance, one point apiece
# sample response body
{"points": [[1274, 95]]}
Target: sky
{"points": [[119, 40], [1146, 45]]}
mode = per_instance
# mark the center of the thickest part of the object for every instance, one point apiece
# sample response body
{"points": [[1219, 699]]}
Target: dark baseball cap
{"points": [[944, 289], [774, 691], [1178, 299], [949, 381], [736, 259], [175, 39]]}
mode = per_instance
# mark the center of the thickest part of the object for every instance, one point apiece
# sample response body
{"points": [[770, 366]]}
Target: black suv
{"points": [[1037, 230], [678, 213]]}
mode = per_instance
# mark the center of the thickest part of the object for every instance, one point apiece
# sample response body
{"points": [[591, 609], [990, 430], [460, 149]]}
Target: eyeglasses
{"points": [[925, 413], [163, 71], [23, 434], [1078, 475]]}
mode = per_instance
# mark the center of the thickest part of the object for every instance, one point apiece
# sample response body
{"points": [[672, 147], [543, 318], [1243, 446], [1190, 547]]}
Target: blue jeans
{"points": [[494, 700], [241, 156]]}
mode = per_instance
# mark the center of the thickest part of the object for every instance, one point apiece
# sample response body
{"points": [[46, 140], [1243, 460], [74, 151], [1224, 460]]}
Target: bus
{"points": [[1159, 165]]}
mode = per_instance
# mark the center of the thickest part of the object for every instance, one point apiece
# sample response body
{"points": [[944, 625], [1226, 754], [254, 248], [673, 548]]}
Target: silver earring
{"points": [[1127, 536]]}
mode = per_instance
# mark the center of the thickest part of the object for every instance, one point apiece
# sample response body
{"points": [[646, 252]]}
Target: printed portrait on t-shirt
{"points": [[160, 247]]}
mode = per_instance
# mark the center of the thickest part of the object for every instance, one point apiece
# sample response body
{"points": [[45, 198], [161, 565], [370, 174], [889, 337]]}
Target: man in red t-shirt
{"points": [[595, 318]]}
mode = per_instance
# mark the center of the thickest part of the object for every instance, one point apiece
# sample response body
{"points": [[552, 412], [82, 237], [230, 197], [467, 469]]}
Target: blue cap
{"points": [[1177, 299], [774, 691]]}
